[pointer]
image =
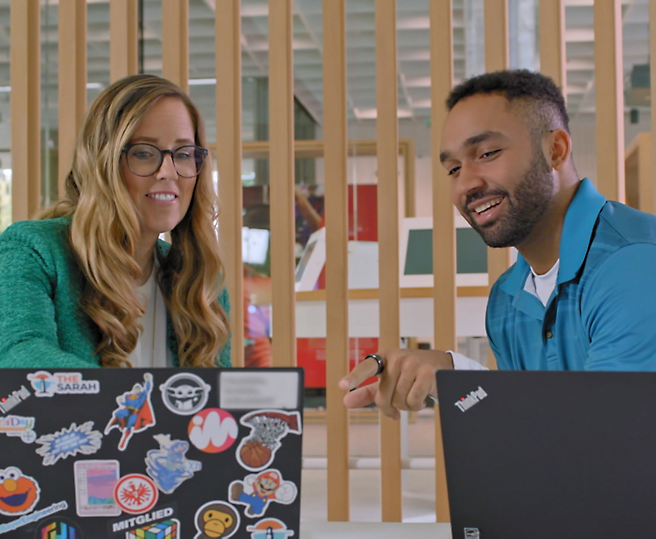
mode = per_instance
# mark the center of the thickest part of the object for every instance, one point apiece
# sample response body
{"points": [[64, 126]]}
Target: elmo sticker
{"points": [[18, 493], [216, 520]]}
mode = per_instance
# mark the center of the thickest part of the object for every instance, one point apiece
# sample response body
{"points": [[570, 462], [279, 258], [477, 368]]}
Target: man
{"points": [[582, 294]]}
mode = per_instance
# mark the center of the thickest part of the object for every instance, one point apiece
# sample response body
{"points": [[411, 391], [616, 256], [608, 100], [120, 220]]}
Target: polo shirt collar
{"points": [[579, 224]]}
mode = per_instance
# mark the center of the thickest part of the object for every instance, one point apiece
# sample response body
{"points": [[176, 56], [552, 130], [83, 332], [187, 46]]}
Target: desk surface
{"points": [[379, 530]]}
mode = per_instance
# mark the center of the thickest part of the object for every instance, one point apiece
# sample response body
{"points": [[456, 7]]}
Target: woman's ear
{"points": [[560, 148]]}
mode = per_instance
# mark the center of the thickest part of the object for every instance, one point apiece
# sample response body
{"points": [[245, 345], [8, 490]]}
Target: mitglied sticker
{"points": [[95, 481], [256, 452], [216, 520], [138, 524], [168, 465], [61, 383], [134, 413], [269, 528], [257, 491], [69, 442]]}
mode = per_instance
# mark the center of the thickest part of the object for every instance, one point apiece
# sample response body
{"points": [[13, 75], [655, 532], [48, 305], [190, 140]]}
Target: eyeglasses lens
{"points": [[146, 160]]}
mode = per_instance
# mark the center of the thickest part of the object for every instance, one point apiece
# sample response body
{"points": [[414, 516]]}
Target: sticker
{"points": [[58, 528], [257, 451], [167, 529], [14, 399], [213, 430], [19, 493], [216, 520], [33, 517], [269, 528], [143, 522], [69, 442], [256, 491], [95, 481], [136, 494], [134, 413], [185, 393], [18, 426], [61, 383], [168, 465]]}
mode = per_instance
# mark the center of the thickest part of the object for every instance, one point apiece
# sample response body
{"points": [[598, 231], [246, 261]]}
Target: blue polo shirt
{"points": [[602, 312]]}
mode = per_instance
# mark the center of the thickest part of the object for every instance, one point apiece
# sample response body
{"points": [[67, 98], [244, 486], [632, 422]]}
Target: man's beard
{"points": [[530, 201]]}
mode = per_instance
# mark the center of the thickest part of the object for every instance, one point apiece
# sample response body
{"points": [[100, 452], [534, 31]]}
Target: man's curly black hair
{"points": [[543, 100]]}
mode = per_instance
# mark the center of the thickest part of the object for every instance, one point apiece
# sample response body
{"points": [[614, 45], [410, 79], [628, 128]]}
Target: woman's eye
{"points": [[143, 154], [182, 156]]}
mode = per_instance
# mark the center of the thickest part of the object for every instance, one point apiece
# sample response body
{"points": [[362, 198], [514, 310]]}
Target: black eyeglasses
{"points": [[145, 159]]}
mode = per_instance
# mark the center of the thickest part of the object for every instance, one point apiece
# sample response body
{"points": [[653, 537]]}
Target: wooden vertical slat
{"points": [[552, 41], [444, 232], [25, 75], [652, 76], [609, 91], [337, 337], [72, 79], [175, 42], [387, 149], [123, 39], [281, 181], [497, 57], [229, 155]]}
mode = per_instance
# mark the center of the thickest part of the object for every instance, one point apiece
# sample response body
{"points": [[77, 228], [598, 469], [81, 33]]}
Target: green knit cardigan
{"points": [[41, 322]]}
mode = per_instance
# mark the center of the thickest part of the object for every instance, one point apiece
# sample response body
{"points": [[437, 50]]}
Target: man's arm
{"points": [[618, 310]]}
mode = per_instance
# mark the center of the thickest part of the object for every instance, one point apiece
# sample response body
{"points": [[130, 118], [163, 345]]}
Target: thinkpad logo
{"points": [[465, 403]]}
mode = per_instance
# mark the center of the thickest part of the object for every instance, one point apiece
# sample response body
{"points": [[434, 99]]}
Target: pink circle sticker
{"points": [[213, 430], [135, 493]]}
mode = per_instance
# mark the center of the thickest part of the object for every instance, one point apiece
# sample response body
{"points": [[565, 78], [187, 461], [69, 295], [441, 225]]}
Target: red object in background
{"points": [[311, 355]]}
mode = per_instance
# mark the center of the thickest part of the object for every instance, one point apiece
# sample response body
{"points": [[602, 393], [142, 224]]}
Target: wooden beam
{"points": [[444, 231], [652, 76], [175, 42], [72, 79], [229, 156], [336, 212], [388, 239], [281, 181], [552, 41], [25, 78], [123, 39], [609, 92]]}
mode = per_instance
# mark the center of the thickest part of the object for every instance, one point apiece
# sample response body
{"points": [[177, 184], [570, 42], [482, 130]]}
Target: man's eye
{"points": [[489, 154], [453, 171]]}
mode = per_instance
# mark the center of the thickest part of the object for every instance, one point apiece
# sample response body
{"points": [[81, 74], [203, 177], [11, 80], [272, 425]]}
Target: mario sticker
{"points": [[269, 528], [19, 493], [136, 494], [168, 465], [256, 491], [134, 413], [69, 442], [256, 452], [95, 481], [216, 520], [185, 393], [213, 430], [18, 426]]}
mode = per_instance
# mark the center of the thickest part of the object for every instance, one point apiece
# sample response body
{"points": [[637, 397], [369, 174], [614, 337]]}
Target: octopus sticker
{"points": [[256, 452], [168, 465], [257, 491], [216, 520], [134, 413], [19, 493]]}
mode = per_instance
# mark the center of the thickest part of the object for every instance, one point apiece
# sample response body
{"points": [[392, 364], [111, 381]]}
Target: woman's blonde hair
{"points": [[104, 233]]}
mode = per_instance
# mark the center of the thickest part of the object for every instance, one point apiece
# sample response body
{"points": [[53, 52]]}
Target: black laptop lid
{"points": [[549, 454], [150, 453]]}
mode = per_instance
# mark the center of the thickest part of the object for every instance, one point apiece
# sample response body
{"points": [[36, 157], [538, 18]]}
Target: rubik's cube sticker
{"points": [[167, 529]]}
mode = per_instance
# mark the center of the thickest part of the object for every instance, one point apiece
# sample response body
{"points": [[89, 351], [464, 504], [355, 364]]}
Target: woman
{"points": [[90, 284]]}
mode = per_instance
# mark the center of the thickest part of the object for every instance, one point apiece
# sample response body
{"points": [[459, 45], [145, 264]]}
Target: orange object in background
{"points": [[311, 355]]}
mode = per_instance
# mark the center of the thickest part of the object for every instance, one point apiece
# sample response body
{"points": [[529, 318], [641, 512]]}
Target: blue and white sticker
{"points": [[61, 383], [168, 466], [69, 442]]}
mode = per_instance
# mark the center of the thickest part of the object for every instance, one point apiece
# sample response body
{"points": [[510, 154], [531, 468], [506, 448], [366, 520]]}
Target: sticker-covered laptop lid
{"points": [[150, 453]]}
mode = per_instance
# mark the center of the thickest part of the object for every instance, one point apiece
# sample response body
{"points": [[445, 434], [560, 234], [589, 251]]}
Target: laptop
{"points": [[150, 453], [549, 454]]}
